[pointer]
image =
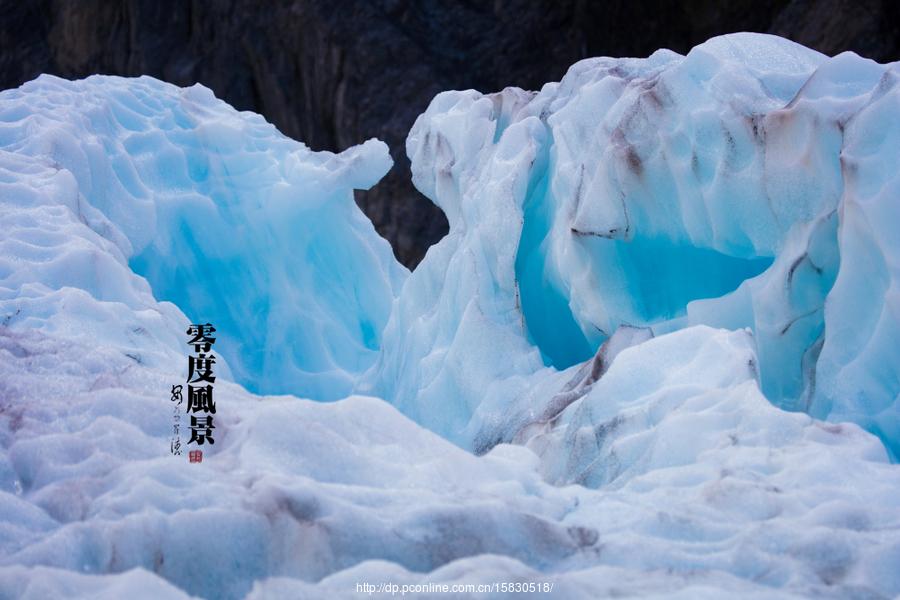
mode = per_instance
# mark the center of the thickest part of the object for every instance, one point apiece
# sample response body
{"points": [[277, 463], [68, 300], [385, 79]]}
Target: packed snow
{"points": [[653, 357]]}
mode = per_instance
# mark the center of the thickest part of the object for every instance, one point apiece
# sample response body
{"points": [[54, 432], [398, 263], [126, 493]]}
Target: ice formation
{"points": [[219, 212], [648, 263], [752, 183]]}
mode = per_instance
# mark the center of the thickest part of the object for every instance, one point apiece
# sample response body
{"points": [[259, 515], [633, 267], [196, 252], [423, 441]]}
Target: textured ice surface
{"points": [[752, 183], [224, 216], [647, 262], [679, 453]]}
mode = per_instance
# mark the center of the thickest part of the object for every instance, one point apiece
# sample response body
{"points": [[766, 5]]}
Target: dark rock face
{"points": [[335, 72]]}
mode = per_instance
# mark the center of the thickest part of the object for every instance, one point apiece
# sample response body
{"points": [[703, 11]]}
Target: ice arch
{"points": [[643, 192]]}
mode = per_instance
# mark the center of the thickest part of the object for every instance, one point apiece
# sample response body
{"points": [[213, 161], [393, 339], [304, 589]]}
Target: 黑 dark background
{"points": [[333, 73]]}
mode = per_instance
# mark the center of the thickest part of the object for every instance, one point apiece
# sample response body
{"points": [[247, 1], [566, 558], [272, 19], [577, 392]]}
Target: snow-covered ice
{"points": [[653, 357]]}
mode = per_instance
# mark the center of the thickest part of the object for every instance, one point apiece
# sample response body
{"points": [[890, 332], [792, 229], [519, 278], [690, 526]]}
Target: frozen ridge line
{"points": [[626, 247]]}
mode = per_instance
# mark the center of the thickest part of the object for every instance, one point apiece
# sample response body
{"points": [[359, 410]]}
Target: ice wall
{"points": [[750, 183]]}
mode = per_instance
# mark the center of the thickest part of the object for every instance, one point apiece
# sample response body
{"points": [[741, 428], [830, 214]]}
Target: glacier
{"points": [[652, 357], [722, 188], [216, 210]]}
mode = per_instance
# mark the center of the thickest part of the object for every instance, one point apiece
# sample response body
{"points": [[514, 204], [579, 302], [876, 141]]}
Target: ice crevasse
{"points": [[663, 318]]}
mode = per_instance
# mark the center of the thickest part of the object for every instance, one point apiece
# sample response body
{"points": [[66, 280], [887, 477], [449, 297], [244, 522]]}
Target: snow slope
{"points": [[647, 263]]}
